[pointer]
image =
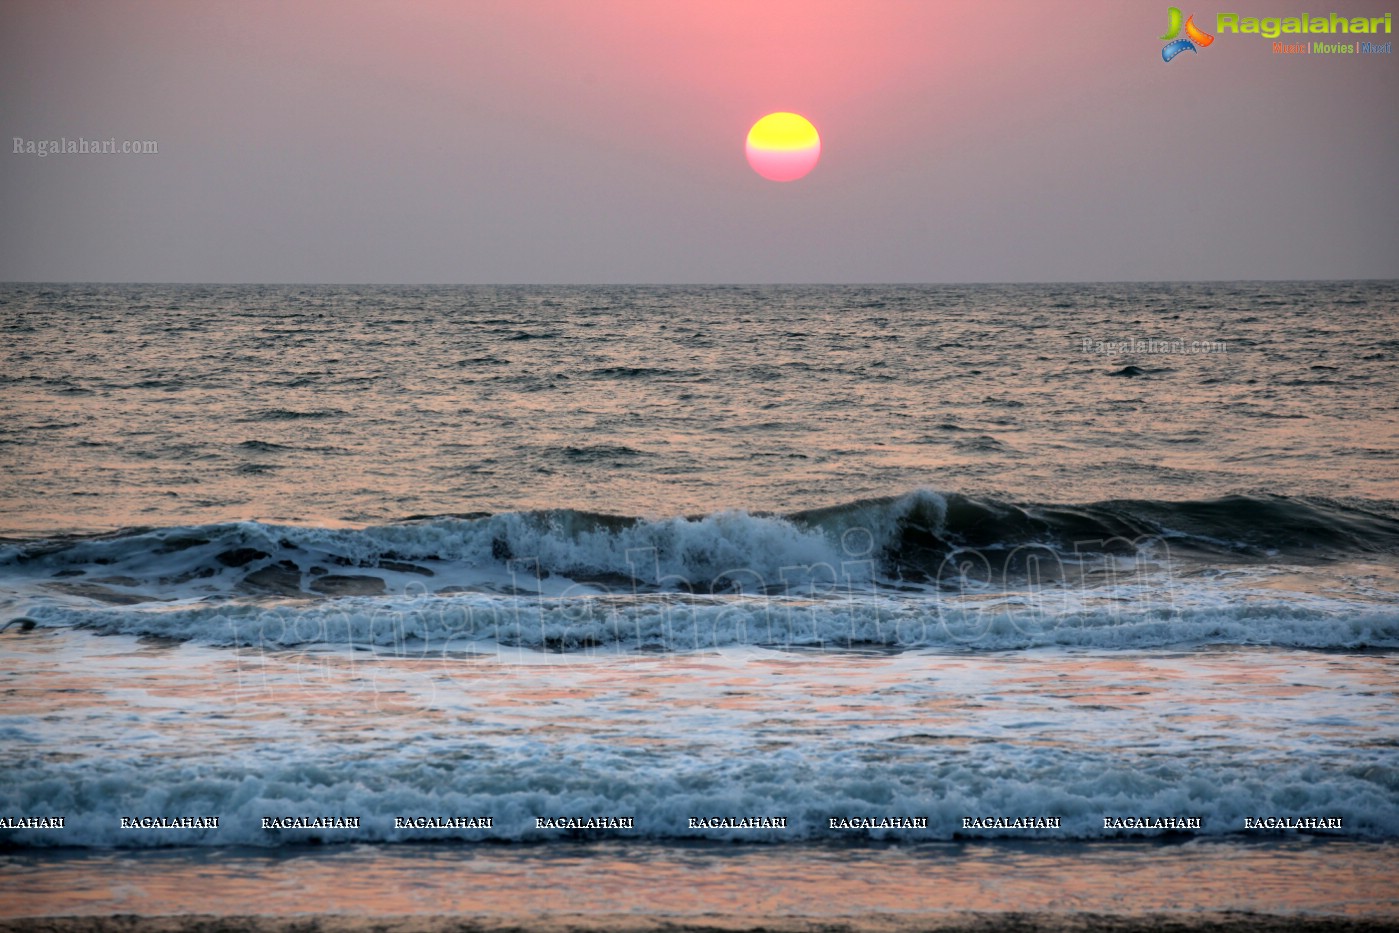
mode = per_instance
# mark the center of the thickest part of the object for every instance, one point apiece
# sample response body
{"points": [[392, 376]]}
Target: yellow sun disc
{"points": [[783, 146]]}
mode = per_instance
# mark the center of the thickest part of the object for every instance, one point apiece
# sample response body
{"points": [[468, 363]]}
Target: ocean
{"points": [[803, 601]]}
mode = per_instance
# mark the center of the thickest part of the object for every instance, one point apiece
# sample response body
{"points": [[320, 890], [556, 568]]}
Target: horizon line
{"points": [[678, 284]]}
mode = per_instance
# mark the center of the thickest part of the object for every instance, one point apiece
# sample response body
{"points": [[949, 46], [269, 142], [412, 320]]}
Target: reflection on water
{"points": [[746, 881], [366, 404], [113, 726]]}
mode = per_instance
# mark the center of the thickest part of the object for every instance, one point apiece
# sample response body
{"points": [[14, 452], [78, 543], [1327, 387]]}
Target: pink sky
{"points": [[603, 141]]}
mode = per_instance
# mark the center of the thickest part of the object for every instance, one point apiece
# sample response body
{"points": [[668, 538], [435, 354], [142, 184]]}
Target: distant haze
{"points": [[556, 141]]}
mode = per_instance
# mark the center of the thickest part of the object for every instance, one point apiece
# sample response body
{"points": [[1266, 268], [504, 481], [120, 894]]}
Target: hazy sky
{"points": [[595, 141]]}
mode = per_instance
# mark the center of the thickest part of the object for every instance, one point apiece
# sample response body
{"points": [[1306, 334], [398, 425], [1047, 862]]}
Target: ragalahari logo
{"points": [[1194, 37]]}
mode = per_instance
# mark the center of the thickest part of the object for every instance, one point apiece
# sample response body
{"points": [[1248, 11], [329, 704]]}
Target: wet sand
{"points": [[578, 923], [1297, 884]]}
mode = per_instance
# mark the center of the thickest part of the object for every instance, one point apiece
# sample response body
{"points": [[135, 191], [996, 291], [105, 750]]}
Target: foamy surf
{"points": [[289, 747], [949, 541]]}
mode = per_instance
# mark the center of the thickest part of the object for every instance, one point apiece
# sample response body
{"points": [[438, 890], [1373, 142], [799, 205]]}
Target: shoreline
{"points": [[1226, 885], [962, 922]]}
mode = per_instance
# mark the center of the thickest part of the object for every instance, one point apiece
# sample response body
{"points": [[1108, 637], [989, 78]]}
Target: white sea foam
{"points": [[924, 538], [151, 729], [672, 623], [662, 797]]}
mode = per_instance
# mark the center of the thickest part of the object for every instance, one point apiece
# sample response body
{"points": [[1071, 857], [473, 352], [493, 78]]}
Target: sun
{"points": [[783, 146]]}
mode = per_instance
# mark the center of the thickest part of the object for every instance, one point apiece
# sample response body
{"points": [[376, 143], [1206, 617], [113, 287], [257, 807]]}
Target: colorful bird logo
{"points": [[1194, 36]]}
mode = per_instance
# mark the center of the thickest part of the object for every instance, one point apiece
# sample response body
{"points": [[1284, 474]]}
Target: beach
{"points": [[802, 608]]}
